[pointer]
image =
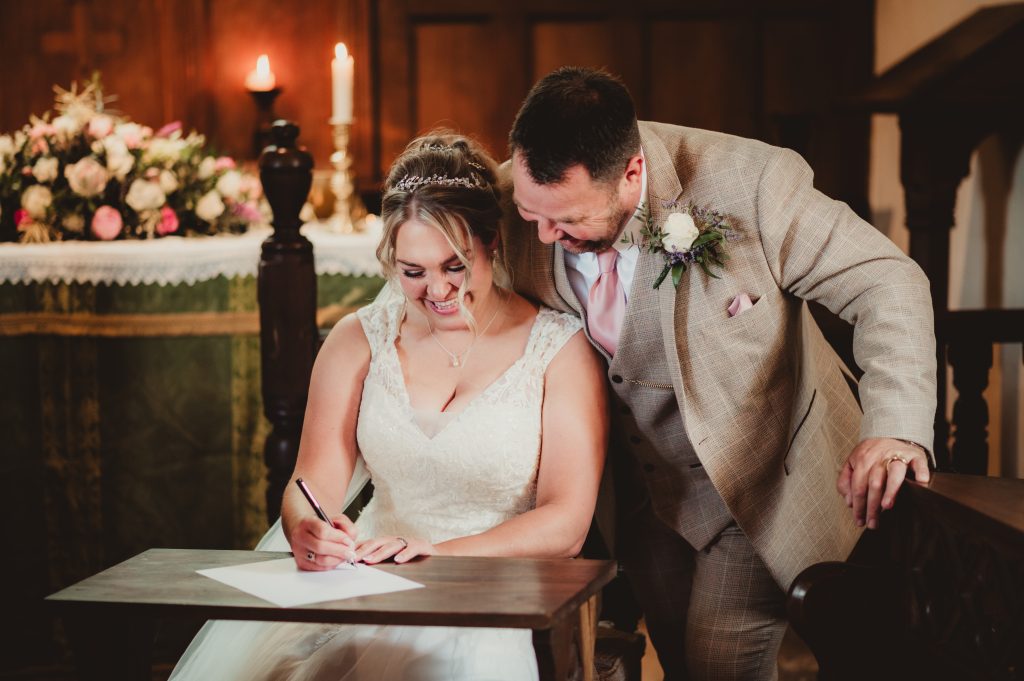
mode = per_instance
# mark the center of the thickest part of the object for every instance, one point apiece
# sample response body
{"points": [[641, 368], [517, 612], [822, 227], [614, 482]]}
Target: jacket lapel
{"points": [[562, 285], [663, 187]]}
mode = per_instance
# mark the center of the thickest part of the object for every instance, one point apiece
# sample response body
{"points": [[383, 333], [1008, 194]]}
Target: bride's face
{"points": [[431, 273]]}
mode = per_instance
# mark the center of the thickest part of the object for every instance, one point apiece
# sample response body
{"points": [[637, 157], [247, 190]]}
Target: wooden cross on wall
{"points": [[81, 42]]}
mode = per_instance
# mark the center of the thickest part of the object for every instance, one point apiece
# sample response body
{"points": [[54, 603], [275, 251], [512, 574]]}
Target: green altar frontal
{"points": [[132, 419]]}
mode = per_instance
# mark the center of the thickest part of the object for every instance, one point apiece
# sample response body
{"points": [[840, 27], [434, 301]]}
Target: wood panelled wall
{"points": [[774, 70], [777, 71]]}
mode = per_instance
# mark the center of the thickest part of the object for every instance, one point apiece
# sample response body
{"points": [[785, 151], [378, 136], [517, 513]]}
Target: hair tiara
{"points": [[438, 146], [413, 182]]}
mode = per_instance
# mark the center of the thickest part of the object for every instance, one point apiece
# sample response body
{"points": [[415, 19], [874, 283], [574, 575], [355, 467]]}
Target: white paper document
{"points": [[282, 583]]}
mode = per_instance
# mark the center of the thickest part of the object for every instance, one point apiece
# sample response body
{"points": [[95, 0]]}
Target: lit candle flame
{"points": [[341, 52], [261, 79], [263, 66]]}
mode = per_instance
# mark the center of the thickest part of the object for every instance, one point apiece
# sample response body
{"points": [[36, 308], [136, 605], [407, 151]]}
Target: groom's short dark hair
{"points": [[576, 116]]}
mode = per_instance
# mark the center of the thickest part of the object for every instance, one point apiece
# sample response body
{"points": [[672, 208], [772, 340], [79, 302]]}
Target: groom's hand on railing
{"points": [[378, 549], [874, 472]]}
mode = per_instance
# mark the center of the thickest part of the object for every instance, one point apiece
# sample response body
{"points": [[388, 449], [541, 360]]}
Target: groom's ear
{"points": [[634, 168]]}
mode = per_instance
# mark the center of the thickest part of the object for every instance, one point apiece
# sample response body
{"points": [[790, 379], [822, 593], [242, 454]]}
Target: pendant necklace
{"points": [[459, 359]]}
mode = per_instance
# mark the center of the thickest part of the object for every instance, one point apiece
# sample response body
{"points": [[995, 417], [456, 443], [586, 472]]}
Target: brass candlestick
{"points": [[349, 211]]}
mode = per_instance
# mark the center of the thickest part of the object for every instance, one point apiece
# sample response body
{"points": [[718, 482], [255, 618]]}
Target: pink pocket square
{"points": [[740, 303]]}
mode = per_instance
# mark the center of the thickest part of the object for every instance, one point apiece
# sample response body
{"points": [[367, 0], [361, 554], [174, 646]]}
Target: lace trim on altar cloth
{"points": [[177, 260]]}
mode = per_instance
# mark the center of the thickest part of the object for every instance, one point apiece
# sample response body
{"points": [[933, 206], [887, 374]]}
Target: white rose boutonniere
{"points": [[679, 233], [690, 235]]}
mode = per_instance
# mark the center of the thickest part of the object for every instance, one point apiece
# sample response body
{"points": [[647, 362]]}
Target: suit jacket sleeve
{"points": [[818, 249]]}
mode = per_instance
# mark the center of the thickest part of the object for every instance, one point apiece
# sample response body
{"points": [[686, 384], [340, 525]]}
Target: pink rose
{"points": [[20, 216], [41, 129], [246, 211], [100, 126], [88, 177], [168, 221], [169, 129], [106, 223], [224, 163], [251, 187], [40, 146]]}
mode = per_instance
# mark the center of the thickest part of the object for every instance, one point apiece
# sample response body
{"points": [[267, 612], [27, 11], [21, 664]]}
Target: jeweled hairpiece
{"points": [[413, 182], [438, 146]]}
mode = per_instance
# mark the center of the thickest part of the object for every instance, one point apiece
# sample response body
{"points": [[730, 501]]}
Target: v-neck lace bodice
{"points": [[480, 467]]}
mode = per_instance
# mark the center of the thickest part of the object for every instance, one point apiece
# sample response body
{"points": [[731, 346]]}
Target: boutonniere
{"points": [[690, 235]]}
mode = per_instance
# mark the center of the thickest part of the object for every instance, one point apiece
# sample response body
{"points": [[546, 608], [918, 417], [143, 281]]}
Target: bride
{"points": [[480, 418]]}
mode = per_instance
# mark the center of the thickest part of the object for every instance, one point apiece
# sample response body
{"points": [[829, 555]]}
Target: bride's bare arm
{"points": [[327, 451], [575, 430]]}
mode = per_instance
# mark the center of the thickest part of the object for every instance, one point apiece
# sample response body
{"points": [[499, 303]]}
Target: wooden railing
{"points": [[937, 592]]}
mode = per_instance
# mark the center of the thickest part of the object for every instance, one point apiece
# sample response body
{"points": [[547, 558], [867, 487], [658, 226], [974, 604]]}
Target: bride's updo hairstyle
{"points": [[449, 182]]}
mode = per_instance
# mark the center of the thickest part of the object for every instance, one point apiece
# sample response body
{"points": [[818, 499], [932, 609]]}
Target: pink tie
{"points": [[606, 305]]}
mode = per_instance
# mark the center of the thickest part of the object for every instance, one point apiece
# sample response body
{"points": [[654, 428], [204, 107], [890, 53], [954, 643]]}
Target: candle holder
{"points": [[349, 211], [264, 118]]}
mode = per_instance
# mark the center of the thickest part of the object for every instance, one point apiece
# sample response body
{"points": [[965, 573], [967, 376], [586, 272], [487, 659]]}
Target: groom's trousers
{"points": [[713, 614]]}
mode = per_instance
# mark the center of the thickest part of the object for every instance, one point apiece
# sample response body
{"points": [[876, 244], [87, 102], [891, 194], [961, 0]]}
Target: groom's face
{"points": [[582, 215]]}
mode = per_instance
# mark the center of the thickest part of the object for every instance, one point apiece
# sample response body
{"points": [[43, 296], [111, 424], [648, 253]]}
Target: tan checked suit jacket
{"points": [[764, 398]]}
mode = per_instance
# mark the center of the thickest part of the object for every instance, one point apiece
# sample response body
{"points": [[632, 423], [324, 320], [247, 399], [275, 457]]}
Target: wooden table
{"points": [[111, 616]]}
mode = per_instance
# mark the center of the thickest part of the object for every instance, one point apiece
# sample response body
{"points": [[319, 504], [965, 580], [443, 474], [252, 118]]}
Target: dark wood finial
{"points": [[287, 299]]}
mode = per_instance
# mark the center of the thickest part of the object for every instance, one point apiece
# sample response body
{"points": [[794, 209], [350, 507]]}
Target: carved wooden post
{"points": [[935, 158], [287, 300], [971, 363]]}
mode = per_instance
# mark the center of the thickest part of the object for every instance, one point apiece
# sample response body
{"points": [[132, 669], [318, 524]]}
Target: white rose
{"points": [[45, 169], [66, 126], [162, 149], [119, 160], [168, 182], [679, 232], [87, 177], [101, 125], [210, 206], [207, 167], [144, 195], [73, 222], [35, 200], [133, 134], [6, 145], [230, 184]]}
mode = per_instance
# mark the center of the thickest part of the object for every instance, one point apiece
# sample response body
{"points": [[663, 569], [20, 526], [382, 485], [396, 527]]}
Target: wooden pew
{"points": [[937, 592]]}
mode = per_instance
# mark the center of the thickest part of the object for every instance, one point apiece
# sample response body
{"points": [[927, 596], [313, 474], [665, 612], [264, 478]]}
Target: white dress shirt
{"points": [[582, 270]]}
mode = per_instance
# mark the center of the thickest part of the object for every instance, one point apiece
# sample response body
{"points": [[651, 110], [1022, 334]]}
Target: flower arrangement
{"points": [[690, 235], [87, 173]]}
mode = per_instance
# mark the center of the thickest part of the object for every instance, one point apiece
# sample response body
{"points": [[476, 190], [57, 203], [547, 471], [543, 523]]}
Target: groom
{"points": [[733, 419]]}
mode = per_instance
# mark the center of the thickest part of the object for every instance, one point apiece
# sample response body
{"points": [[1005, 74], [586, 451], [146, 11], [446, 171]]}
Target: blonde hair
{"points": [[449, 182]]}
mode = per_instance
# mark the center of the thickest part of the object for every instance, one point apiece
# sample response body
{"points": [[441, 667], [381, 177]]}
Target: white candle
{"points": [[341, 85], [261, 78]]}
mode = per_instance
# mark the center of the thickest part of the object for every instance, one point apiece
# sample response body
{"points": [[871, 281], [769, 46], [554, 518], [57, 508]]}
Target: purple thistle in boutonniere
{"points": [[689, 235]]}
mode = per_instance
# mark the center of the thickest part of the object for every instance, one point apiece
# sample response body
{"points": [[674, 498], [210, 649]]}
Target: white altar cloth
{"points": [[179, 260]]}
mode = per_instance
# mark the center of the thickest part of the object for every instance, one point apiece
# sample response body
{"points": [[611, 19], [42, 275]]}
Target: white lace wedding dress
{"points": [[435, 476]]}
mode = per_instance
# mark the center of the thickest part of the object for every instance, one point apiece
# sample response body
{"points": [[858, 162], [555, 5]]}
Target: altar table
{"points": [[112, 613], [130, 403]]}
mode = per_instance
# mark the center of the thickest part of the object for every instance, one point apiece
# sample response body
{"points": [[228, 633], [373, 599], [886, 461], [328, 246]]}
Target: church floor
{"points": [[796, 663]]}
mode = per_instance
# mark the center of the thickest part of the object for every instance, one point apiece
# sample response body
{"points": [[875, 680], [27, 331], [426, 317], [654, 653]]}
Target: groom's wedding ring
{"points": [[405, 544], [897, 457], [310, 556]]}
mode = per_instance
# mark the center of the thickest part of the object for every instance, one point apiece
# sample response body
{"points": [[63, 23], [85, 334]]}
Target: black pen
{"points": [[317, 508]]}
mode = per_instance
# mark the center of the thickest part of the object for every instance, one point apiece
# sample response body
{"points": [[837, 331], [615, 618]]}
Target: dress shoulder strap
{"points": [[551, 331], [381, 318]]}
